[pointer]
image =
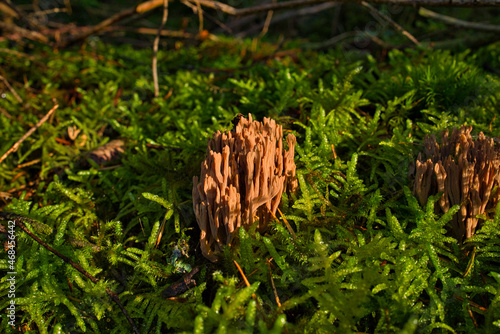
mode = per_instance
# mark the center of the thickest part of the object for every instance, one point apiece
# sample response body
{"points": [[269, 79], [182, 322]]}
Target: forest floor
{"points": [[96, 180]]}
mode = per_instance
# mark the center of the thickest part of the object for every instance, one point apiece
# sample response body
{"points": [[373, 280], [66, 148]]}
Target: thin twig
{"points": [[197, 10], [139, 9], [149, 5], [19, 222], [155, 48], [33, 35], [399, 28], [287, 224], [49, 11], [257, 9], [290, 15], [267, 22], [160, 231], [12, 90], [277, 298], [200, 16], [27, 134], [471, 303], [7, 11], [67, 3], [27, 164], [472, 317], [164, 32], [20, 14], [377, 40], [471, 262], [247, 283], [456, 22], [298, 3]]}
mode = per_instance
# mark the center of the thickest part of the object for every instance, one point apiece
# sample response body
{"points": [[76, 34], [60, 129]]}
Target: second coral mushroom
{"points": [[465, 170]]}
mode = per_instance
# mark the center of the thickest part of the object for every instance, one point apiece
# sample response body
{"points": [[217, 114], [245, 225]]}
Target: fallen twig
{"points": [[277, 298], [290, 15], [49, 11], [245, 279], [456, 22], [155, 48], [19, 222], [12, 90], [374, 11], [267, 23], [33, 35], [10, 9], [201, 13], [287, 224], [257, 9], [297, 3], [153, 31], [200, 16], [267, 7], [139, 9], [7, 11], [27, 134]]}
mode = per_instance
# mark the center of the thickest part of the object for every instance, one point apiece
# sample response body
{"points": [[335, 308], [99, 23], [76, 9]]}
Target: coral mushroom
{"points": [[465, 170], [243, 176]]}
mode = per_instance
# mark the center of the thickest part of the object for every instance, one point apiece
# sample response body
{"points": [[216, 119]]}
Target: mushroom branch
{"points": [[466, 171], [243, 176]]}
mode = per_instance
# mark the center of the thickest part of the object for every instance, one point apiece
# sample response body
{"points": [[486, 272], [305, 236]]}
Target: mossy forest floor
{"points": [[361, 255]]}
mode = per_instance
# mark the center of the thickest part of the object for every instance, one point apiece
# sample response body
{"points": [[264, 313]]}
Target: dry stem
{"points": [[12, 90], [456, 22], [27, 134], [155, 48], [404, 32]]}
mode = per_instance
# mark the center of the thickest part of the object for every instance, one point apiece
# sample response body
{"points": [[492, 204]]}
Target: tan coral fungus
{"points": [[243, 176], [465, 170]]}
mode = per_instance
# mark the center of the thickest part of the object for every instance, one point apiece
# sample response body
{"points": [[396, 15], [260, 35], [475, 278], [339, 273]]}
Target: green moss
{"points": [[363, 255]]}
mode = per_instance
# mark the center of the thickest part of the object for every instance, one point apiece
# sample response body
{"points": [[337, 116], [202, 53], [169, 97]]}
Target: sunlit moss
{"points": [[357, 253]]}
